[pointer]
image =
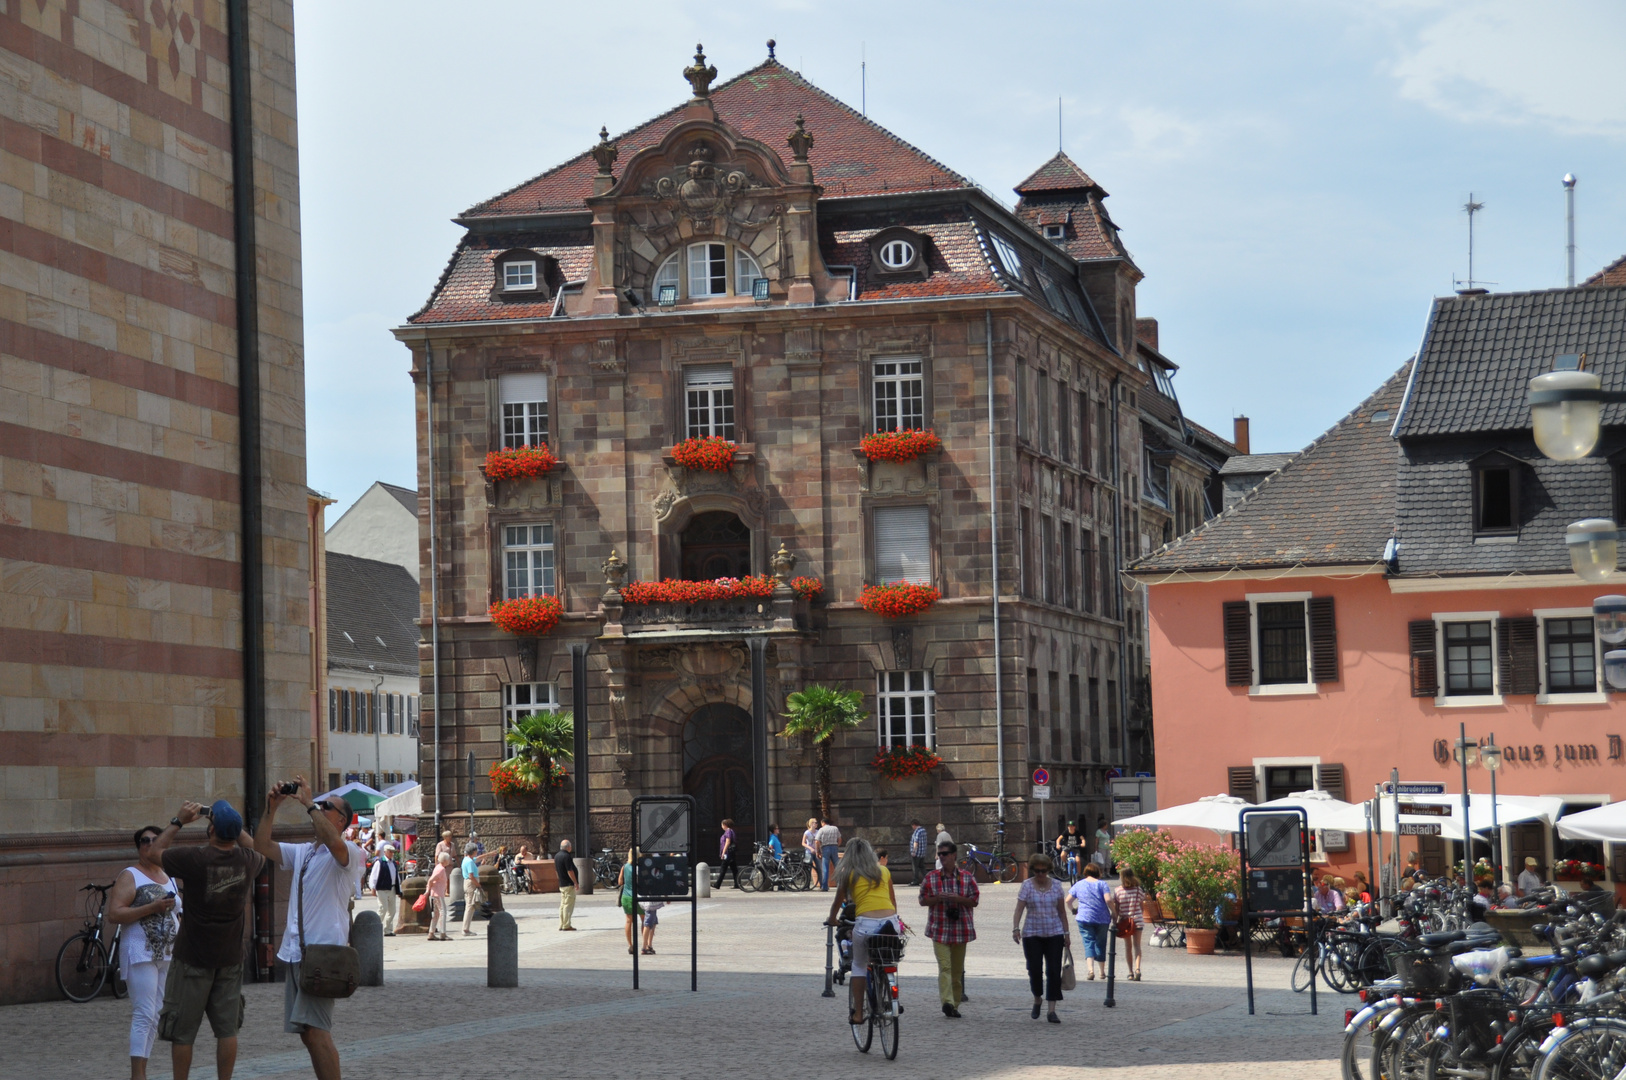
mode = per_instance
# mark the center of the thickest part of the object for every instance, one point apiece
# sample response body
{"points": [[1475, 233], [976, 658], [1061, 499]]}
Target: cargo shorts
{"points": [[190, 993]]}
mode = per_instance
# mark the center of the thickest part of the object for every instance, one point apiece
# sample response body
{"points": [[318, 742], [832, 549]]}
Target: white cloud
{"points": [[1516, 62]]}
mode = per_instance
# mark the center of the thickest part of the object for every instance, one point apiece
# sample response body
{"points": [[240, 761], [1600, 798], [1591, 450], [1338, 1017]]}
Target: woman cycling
{"points": [[861, 878]]}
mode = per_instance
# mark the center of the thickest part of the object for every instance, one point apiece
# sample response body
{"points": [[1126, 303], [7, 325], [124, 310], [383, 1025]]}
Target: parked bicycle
{"points": [[607, 865], [995, 865], [85, 960], [789, 873]]}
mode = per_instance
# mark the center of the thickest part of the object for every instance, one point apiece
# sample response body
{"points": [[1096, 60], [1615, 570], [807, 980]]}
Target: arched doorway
{"points": [[717, 772], [715, 544]]}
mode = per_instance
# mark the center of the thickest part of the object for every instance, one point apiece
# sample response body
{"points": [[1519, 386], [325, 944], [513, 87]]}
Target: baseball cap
{"points": [[227, 821], [1529, 860]]}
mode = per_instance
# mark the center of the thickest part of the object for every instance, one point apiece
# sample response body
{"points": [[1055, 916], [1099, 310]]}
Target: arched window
{"points": [[668, 275], [897, 254], [746, 272], [708, 270]]}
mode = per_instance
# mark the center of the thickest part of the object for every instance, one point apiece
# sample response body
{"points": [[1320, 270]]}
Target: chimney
{"points": [[1239, 433], [1146, 331]]}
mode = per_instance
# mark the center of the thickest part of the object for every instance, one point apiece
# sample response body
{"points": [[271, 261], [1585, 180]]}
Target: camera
{"points": [[289, 788], [207, 811]]}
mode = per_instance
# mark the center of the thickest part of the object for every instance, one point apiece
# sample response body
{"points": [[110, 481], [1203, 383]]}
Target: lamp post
{"points": [[1467, 753], [1490, 756]]}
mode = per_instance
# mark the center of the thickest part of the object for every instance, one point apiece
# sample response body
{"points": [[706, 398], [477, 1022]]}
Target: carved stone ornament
{"points": [[527, 658], [702, 190], [615, 570], [800, 140], [784, 564], [700, 74], [605, 152], [903, 647]]}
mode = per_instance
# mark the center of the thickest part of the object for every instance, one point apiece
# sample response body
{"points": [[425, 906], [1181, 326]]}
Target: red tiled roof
{"points": [[1090, 232], [1613, 274], [851, 154], [463, 293], [959, 265], [1060, 173]]}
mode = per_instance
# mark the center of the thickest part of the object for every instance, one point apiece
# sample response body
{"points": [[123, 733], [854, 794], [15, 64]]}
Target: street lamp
{"points": [[1566, 408], [1490, 756], [1467, 753], [1609, 616], [1594, 545]]}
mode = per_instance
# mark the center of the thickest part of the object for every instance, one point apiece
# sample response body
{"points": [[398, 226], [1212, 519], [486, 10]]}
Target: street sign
{"points": [[1425, 809], [664, 825], [1419, 828], [1273, 840], [1040, 777], [1419, 789], [1041, 791]]}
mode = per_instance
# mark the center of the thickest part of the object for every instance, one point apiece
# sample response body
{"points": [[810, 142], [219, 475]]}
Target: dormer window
{"points": [[702, 272], [1008, 255], [1055, 233], [897, 254], [523, 275], [1496, 495], [519, 275]]}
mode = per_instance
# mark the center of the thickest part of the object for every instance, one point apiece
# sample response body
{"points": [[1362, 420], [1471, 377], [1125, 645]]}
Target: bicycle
{"points": [[607, 866], [881, 1005], [789, 873], [83, 962], [985, 866]]}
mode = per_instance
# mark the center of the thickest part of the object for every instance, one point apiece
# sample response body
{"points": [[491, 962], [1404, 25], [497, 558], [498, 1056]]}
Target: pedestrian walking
{"points": [[1103, 846], [775, 844], [206, 970], [1091, 900], [728, 850], [324, 876], [949, 895], [385, 881], [1040, 927], [440, 880], [564, 868], [629, 907], [651, 920], [810, 844], [943, 836], [1129, 904], [143, 901], [919, 848], [1529, 878], [829, 841], [869, 885], [446, 847]]}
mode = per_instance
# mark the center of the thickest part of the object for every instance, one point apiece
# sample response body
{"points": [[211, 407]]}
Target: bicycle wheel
{"points": [[1340, 965], [81, 967], [1520, 1052], [1007, 869], [1354, 1061], [978, 872], [802, 880], [1597, 1050], [1304, 970], [863, 1034], [115, 977], [1399, 1056], [886, 1019]]}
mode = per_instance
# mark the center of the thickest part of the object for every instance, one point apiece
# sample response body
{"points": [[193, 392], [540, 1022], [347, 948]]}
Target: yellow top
{"points": [[870, 895]]}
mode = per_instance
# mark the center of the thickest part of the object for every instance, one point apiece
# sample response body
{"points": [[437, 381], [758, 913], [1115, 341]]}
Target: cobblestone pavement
{"points": [[761, 961]]}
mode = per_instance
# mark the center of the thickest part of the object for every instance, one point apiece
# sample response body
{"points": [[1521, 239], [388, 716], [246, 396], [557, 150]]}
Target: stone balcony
{"points": [[713, 616]]}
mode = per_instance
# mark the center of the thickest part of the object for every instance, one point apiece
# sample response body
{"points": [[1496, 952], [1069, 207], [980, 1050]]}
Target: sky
{"points": [[1289, 176]]}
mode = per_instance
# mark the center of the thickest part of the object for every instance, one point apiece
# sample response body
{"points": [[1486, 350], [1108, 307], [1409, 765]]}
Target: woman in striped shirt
{"points": [[1130, 900]]}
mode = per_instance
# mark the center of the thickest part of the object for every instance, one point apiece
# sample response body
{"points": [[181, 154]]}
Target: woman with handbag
{"points": [[439, 879], [1129, 901], [1040, 927], [1091, 900], [628, 906]]}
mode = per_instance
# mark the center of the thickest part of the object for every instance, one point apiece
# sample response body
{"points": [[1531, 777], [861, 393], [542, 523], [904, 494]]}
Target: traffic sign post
{"points": [[1419, 828], [662, 869], [1404, 788], [1041, 792], [1275, 853]]}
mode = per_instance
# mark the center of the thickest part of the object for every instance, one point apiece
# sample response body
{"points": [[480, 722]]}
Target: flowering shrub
{"points": [[709, 454], [528, 616], [506, 779], [904, 761], [899, 445], [1483, 870], [1198, 881], [898, 599], [1145, 851], [521, 462], [673, 591], [808, 588], [1574, 869]]}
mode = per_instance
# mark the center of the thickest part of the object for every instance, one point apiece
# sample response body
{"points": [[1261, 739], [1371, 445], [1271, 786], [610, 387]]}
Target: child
{"points": [[651, 920]]}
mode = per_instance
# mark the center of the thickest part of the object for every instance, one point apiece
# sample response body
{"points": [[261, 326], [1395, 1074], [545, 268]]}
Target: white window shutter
{"points": [[700, 375], [903, 545], [524, 387]]}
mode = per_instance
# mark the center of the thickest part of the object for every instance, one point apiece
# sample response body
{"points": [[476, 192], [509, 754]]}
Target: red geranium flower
{"points": [[520, 462], [899, 445], [904, 761], [898, 599], [528, 616], [808, 588], [708, 454], [673, 591]]}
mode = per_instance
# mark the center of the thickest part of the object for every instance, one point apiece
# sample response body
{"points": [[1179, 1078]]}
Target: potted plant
{"points": [[1145, 851], [1575, 869], [526, 616], [899, 445], [510, 785], [1197, 883], [708, 453], [897, 600], [673, 591], [807, 588], [541, 741], [519, 462], [820, 712]]}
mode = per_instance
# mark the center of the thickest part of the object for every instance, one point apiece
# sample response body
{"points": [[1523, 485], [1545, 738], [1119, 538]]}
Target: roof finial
{"points": [[800, 140], [699, 74], [771, 44], [605, 152]]}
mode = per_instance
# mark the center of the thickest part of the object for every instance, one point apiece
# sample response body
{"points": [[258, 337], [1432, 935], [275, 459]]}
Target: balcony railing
{"points": [[742, 613]]}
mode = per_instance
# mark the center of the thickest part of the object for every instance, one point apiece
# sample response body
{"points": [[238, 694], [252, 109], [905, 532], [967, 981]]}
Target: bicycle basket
{"points": [[1422, 972], [885, 949]]}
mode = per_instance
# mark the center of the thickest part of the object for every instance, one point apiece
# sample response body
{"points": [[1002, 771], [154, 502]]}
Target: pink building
{"points": [[1406, 573]]}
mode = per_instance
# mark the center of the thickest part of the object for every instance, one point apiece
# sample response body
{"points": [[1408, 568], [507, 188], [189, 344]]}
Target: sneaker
{"points": [[1053, 1018], [950, 1011]]}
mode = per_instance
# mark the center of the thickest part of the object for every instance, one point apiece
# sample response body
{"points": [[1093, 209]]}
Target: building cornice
{"points": [[1485, 582], [1151, 578]]}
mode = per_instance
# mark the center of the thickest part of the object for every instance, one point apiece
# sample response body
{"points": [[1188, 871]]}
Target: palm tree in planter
{"points": [[820, 712], [541, 741]]}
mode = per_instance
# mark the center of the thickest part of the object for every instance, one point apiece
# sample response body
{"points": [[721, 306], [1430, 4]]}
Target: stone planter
{"points": [[544, 877], [417, 922], [1200, 941], [921, 786], [1152, 911]]}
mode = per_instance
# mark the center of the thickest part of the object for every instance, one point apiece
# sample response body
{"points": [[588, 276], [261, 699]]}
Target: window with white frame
{"points": [[900, 395], [897, 254], [524, 409], [903, 545], [708, 270], [1569, 656], [708, 391], [904, 707], [523, 699], [527, 561], [519, 275], [1470, 657], [1057, 233], [669, 276], [746, 272]]}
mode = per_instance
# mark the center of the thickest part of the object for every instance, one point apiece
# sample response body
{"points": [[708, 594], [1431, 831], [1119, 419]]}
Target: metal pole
{"points": [[1467, 833], [993, 558], [1569, 221], [1371, 871], [1112, 964], [1495, 834], [578, 704], [1304, 846], [1394, 788], [829, 960], [759, 737]]}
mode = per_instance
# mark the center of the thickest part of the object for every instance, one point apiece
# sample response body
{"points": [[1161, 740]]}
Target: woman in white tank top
{"points": [[145, 903]]}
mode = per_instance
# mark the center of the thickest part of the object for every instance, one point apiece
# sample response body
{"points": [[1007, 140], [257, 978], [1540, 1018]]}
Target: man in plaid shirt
{"points": [[919, 848], [949, 894]]}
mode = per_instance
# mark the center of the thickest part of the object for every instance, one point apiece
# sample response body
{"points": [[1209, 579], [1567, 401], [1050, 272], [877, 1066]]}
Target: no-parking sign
{"points": [[1041, 777]]}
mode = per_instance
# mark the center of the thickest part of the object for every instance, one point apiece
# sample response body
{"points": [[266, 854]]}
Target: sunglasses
{"points": [[145, 840]]}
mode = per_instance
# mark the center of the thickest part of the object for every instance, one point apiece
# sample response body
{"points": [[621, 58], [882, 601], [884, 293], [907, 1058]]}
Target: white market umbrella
{"points": [[1607, 823], [407, 803], [1215, 812], [1510, 810], [1323, 811]]}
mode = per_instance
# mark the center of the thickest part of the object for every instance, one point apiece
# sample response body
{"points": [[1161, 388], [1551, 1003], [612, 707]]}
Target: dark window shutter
{"points": [[1425, 670], [1242, 783], [1238, 644], [1332, 780], [1517, 658], [1323, 640]]}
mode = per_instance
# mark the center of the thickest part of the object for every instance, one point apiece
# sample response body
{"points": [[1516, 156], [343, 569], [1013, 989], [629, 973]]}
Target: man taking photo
{"points": [[328, 874]]}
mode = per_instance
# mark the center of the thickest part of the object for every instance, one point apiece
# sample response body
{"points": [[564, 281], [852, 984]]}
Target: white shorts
{"points": [[863, 927]]}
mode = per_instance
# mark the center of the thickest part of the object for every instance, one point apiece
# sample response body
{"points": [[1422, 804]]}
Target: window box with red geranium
{"points": [[807, 588], [899, 445], [707, 453], [1575, 869], [898, 600], [519, 463], [673, 591], [527, 616], [904, 762]]}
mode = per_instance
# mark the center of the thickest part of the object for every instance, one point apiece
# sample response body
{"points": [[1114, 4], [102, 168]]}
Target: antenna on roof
{"points": [[1471, 208], [1058, 123], [1569, 220], [863, 78]]}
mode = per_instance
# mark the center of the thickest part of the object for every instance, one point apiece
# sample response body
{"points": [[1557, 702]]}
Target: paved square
{"points": [[758, 1011]]}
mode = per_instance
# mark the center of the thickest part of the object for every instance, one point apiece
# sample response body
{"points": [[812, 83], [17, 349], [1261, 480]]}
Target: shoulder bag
{"points": [[1069, 978], [325, 971]]}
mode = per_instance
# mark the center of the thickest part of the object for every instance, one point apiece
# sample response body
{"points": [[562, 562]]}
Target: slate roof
{"points": [[1480, 353], [851, 154], [1613, 274], [368, 600], [407, 497], [1332, 505], [1254, 464]]}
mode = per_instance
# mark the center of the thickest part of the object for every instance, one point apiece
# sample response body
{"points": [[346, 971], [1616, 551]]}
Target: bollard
{"points": [[502, 951], [367, 938], [702, 882], [456, 892], [584, 875]]}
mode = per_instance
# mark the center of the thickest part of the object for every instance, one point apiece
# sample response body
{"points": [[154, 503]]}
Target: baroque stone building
{"points": [[766, 265]]}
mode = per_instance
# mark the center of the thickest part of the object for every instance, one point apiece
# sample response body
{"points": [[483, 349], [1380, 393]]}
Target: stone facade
{"points": [[121, 636]]}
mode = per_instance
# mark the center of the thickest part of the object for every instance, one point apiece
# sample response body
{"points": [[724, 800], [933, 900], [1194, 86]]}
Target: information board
{"points": [[1276, 888], [664, 825], [1273, 840], [658, 876]]}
